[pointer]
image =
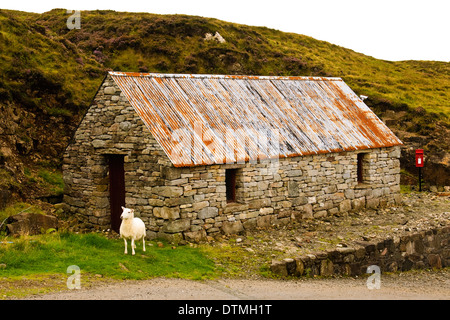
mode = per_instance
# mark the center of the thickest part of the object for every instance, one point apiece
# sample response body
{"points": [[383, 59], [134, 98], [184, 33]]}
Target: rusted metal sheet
{"points": [[208, 119]]}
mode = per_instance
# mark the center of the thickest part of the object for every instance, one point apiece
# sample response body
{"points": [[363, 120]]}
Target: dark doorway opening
{"points": [[230, 181], [116, 188], [359, 170]]}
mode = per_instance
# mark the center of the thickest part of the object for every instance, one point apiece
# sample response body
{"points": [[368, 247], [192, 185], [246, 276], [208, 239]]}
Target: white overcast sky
{"points": [[385, 29]]}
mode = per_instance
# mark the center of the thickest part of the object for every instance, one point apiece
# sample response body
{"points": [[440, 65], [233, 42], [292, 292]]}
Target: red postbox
{"points": [[419, 158], [419, 164]]}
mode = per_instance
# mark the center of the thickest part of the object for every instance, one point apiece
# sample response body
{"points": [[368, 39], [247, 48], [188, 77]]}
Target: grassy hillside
{"points": [[49, 74]]}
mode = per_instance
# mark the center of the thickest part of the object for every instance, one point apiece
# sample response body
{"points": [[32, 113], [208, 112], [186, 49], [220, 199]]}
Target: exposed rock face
{"points": [[434, 140], [5, 196], [31, 223]]}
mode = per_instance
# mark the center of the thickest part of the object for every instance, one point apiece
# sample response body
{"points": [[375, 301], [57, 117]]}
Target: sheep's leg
{"points": [[143, 243], [132, 246], [125, 240]]}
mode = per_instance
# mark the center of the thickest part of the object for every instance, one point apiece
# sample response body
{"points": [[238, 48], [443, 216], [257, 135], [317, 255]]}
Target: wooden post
{"points": [[420, 179]]}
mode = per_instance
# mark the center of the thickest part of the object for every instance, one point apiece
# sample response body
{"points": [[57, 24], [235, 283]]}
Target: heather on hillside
{"points": [[49, 74]]}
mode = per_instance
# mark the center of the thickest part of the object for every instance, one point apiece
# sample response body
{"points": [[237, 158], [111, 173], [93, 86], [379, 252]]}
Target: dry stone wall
{"points": [[191, 203], [426, 249]]}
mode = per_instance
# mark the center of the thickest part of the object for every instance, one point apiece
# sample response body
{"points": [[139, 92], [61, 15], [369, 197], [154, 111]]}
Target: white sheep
{"points": [[131, 228]]}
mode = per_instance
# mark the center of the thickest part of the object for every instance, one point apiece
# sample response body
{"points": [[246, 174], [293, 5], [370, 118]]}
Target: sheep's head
{"points": [[127, 213]]}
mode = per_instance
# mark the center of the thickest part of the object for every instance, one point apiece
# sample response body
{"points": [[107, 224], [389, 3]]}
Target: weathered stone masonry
{"points": [[191, 202], [425, 249]]}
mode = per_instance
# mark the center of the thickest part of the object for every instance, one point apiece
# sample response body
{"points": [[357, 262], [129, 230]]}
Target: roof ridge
{"points": [[219, 76]]}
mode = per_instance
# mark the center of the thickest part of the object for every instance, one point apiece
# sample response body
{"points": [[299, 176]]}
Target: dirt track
{"points": [[412, 285]]}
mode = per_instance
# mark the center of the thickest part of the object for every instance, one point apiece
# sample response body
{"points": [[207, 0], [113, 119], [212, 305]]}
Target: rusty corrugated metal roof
{"points": [[208, 119]]}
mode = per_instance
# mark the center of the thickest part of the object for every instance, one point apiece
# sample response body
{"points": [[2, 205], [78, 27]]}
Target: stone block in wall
{"points": [[306, 211], [170, 173], [259, 203], [156, 202], [320, 214], [195, 227], [291, 266], [326, 268], [294, 173], [97, 143], [168, 191], [333, 211], [109, 90], [213, 230], [166, 212], [298, 201], [395, 153], [358, 204], [104, 221], [232, 227], [284, 204], [177, 182], [250, 224], [293, 189], [265, 211], [300, 267], [171, 202], [200, 205], [279, 267], [195, 236], [171, 237], [150, 235], [175, 226], [208, 212], [345, 205], [235, 207], [360, 253], [349, 194], [263, 221]]}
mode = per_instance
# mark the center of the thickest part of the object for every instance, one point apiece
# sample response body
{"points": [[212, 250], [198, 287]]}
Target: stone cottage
{"points": [[201, 155]]}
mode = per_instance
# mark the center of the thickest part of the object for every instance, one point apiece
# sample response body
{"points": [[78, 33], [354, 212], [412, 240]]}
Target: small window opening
{"points": [[360, 167], [230, 181]]}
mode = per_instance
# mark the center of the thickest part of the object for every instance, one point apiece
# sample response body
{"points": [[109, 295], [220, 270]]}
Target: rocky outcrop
{"points": [[28, 223]]}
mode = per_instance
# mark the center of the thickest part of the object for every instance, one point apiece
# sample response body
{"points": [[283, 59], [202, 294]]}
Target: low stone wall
{"points": [[426, 249]]}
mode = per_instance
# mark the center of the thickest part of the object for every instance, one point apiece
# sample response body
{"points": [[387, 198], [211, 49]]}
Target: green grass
{"points": [[62, 68], [47, 180], [96, 254], [405, 189], [53, 180]]}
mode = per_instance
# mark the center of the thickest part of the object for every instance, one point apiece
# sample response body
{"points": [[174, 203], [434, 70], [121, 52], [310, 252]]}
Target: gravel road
{"points": [[422, 285]]}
